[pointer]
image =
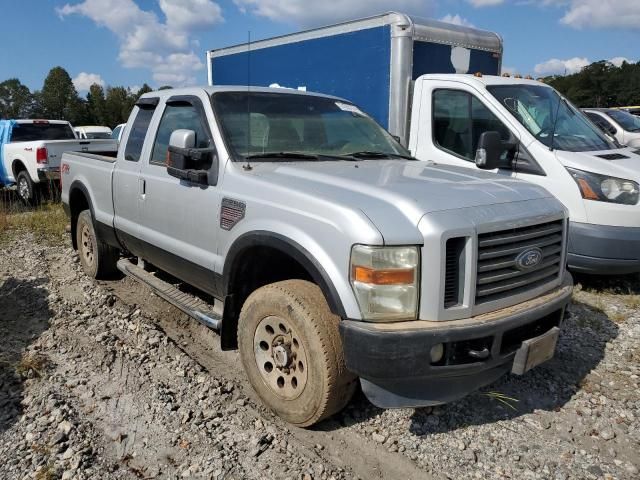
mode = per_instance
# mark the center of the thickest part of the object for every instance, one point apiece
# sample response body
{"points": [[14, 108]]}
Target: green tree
{"points": [[165, 87], [118, 105], [16, 100], [59, 98], [144, 89], [96, 105]]}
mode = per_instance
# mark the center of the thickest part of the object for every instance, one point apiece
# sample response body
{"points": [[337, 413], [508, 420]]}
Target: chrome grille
{"points": [[499, 275]]}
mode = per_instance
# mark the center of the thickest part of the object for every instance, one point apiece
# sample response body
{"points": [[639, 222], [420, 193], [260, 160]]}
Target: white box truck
{"points": [[437, 87]]}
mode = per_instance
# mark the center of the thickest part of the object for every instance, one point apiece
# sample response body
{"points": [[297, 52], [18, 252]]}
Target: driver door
{"points": [[451, 126], [178, 218]]}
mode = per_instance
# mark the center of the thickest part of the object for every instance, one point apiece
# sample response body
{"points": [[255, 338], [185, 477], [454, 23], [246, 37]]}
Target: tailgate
{"points": [[55, 148]]}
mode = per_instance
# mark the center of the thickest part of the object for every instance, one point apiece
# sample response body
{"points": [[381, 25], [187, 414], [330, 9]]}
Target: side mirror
{"points": [[489, 150], [184, 161]]}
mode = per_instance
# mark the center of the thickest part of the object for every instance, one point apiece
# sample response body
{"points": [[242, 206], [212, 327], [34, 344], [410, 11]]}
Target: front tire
{"points": [[28, 191], [98, 259], [291, 349]]}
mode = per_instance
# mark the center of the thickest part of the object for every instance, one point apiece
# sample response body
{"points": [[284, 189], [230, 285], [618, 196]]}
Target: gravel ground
{"points": [[104, 380]]}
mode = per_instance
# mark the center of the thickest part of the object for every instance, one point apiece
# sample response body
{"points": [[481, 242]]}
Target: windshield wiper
{"points": [[282, 156], [370, 154]]}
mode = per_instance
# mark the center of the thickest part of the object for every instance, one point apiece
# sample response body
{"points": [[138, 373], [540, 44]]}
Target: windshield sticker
{"points": [[347, 107]]}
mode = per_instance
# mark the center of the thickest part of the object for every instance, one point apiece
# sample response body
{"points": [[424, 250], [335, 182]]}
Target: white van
{"points": [[528, 130], [619, 124]]}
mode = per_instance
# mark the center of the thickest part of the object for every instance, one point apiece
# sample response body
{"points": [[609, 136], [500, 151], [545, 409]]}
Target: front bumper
{"points": [[393, 359], [603, 249]]}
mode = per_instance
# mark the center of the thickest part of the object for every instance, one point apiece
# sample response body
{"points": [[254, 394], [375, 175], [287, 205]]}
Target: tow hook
{"points": [[479, 354]]}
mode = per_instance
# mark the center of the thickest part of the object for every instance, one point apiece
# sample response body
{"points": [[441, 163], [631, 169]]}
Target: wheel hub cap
{"points": [[281, 357]]}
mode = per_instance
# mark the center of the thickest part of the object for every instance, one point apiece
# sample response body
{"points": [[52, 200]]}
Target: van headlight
{"points": [[602, 188], [385, 281]]}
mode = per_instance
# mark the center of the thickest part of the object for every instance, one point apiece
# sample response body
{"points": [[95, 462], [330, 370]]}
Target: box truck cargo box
{"points": [[371, 61]]}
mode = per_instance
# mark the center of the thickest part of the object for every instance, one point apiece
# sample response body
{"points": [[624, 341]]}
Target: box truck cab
{"points": [[540, 137], [413, 76]]}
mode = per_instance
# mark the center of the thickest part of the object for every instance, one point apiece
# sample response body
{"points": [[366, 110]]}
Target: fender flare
{"points": [[291, 248], [285, 245], [78, 185]]}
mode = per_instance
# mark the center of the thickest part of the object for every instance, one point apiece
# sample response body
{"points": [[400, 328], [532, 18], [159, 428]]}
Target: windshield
{"points": [[29, 132], [299, 124], [550, 118], [628, 122], [93, 135]]}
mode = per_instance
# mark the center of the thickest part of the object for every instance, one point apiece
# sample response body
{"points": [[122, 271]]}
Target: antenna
{"points": [[555, 123], [247, 166]]}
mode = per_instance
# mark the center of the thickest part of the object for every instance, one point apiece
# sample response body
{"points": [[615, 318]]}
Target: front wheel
{"points": [[27, 190], [98, 259], [292, 352]]}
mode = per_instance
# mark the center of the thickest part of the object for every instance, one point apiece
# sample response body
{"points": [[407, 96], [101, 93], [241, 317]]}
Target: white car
{"points": [[620, 124], [92, 132]]}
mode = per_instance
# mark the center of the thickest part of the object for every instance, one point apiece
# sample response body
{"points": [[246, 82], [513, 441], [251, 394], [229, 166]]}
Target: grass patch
{"points": [[502, 398], [32, 363], [47, 222]]}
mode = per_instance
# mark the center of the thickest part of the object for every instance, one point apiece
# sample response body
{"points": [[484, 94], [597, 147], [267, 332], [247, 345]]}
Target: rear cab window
{"points": [[139, 128], [29, 132]]}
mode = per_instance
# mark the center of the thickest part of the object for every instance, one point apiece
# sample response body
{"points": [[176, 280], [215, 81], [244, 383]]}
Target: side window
{"points": [[459, 119], [452, 122], [176, 116], [601, 123], [139, 129]]}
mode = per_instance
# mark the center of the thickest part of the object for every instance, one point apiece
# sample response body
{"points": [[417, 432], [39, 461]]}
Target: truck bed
{"points": [[95, 171]]}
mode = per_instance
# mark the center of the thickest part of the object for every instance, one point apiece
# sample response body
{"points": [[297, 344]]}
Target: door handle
{"points": [[142, 187]]}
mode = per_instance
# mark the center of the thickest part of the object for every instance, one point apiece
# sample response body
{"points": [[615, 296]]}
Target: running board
{"points": [[192, 306]]}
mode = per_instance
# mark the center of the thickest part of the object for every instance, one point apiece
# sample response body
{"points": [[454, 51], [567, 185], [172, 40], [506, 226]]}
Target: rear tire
{"points": [[291, 349], [28, 191], [98, 259]]}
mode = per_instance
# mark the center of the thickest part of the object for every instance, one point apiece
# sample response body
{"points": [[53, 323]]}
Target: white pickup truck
{"points": [[30, 153]]}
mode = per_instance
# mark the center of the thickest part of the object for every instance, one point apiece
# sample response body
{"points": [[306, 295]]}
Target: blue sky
{"points": [[130, 42]]}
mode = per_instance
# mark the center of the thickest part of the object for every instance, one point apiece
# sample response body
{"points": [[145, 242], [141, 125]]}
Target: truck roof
{"points": [[40, 120], [234, 88], [419, 28], [484, 80]]}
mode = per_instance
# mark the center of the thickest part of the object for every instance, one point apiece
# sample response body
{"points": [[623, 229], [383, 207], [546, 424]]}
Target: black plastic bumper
{"points": [[604, 250], [394, 364]]}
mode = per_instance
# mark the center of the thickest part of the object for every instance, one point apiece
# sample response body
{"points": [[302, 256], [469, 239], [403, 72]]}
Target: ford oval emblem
{"points": [[528, 259]]}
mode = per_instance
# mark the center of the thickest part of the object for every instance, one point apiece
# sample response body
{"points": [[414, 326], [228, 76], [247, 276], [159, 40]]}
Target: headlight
{"points": [[606, 189], [386, 282]]}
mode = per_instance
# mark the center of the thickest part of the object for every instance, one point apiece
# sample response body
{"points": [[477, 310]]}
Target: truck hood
{"points": [[627, 166], [396, 193]]}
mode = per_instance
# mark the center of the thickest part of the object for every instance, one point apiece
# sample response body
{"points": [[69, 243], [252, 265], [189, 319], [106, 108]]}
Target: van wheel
{"points": [[98, 259], [27, 190], [292, 352]]}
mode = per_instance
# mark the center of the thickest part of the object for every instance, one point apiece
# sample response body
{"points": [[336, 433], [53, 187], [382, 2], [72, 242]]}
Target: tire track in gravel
{"points": [[347, 449]]}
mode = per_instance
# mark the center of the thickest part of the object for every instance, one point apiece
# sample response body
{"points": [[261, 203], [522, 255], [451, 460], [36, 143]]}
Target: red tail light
{"points": [[41, 155]]}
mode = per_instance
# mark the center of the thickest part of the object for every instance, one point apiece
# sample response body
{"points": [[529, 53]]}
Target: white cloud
{"points": [[84, 80], [485, 3], [599, 13], [306, 13], [457, 20], [146, 41], [188, 15], [618, 61], [556, 66]]}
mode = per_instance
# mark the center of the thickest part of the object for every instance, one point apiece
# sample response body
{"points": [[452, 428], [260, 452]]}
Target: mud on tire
{"points": [[98, 259], [291, 349]]}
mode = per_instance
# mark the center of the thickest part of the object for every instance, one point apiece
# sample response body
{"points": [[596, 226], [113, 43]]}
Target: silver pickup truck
{"points": [[323, 251]]}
